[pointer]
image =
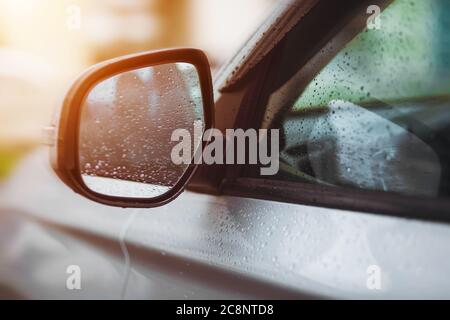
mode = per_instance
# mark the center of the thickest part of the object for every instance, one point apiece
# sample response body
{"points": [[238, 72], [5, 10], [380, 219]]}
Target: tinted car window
{"points": [[377, 116]]}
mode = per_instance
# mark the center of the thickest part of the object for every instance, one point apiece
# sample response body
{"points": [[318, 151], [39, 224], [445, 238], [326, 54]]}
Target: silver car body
{"points": [[211, 246]]}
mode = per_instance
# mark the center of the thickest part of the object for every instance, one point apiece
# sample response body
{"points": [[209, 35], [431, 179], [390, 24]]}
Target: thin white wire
{"points": [[126, 255]]}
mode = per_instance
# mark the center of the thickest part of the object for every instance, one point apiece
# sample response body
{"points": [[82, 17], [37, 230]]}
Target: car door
{"points": [[364, 118]]}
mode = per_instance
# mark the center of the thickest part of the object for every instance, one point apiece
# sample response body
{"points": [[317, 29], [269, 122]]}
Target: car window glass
{"points": [[377, 116]]}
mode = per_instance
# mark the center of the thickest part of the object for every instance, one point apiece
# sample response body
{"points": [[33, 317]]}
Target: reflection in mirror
{"points": [[126, 127]]}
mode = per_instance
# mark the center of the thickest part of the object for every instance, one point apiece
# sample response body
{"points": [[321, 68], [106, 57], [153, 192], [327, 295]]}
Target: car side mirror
{"points": [[115, 136]]}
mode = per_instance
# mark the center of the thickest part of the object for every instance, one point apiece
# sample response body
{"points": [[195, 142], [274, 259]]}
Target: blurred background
{"points": [[46, 44]]}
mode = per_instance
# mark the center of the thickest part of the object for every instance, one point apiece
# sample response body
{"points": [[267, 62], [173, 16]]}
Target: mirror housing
{"points": [[66, 149]]}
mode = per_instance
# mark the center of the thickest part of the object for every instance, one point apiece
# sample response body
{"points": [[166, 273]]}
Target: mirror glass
{"points": [[126, 128]]}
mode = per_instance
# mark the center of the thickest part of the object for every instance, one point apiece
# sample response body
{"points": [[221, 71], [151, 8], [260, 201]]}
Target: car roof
{"points": [[283, 18]]}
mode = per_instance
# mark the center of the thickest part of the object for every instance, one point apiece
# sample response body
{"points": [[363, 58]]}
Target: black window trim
{"points": [[344, 198]]}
